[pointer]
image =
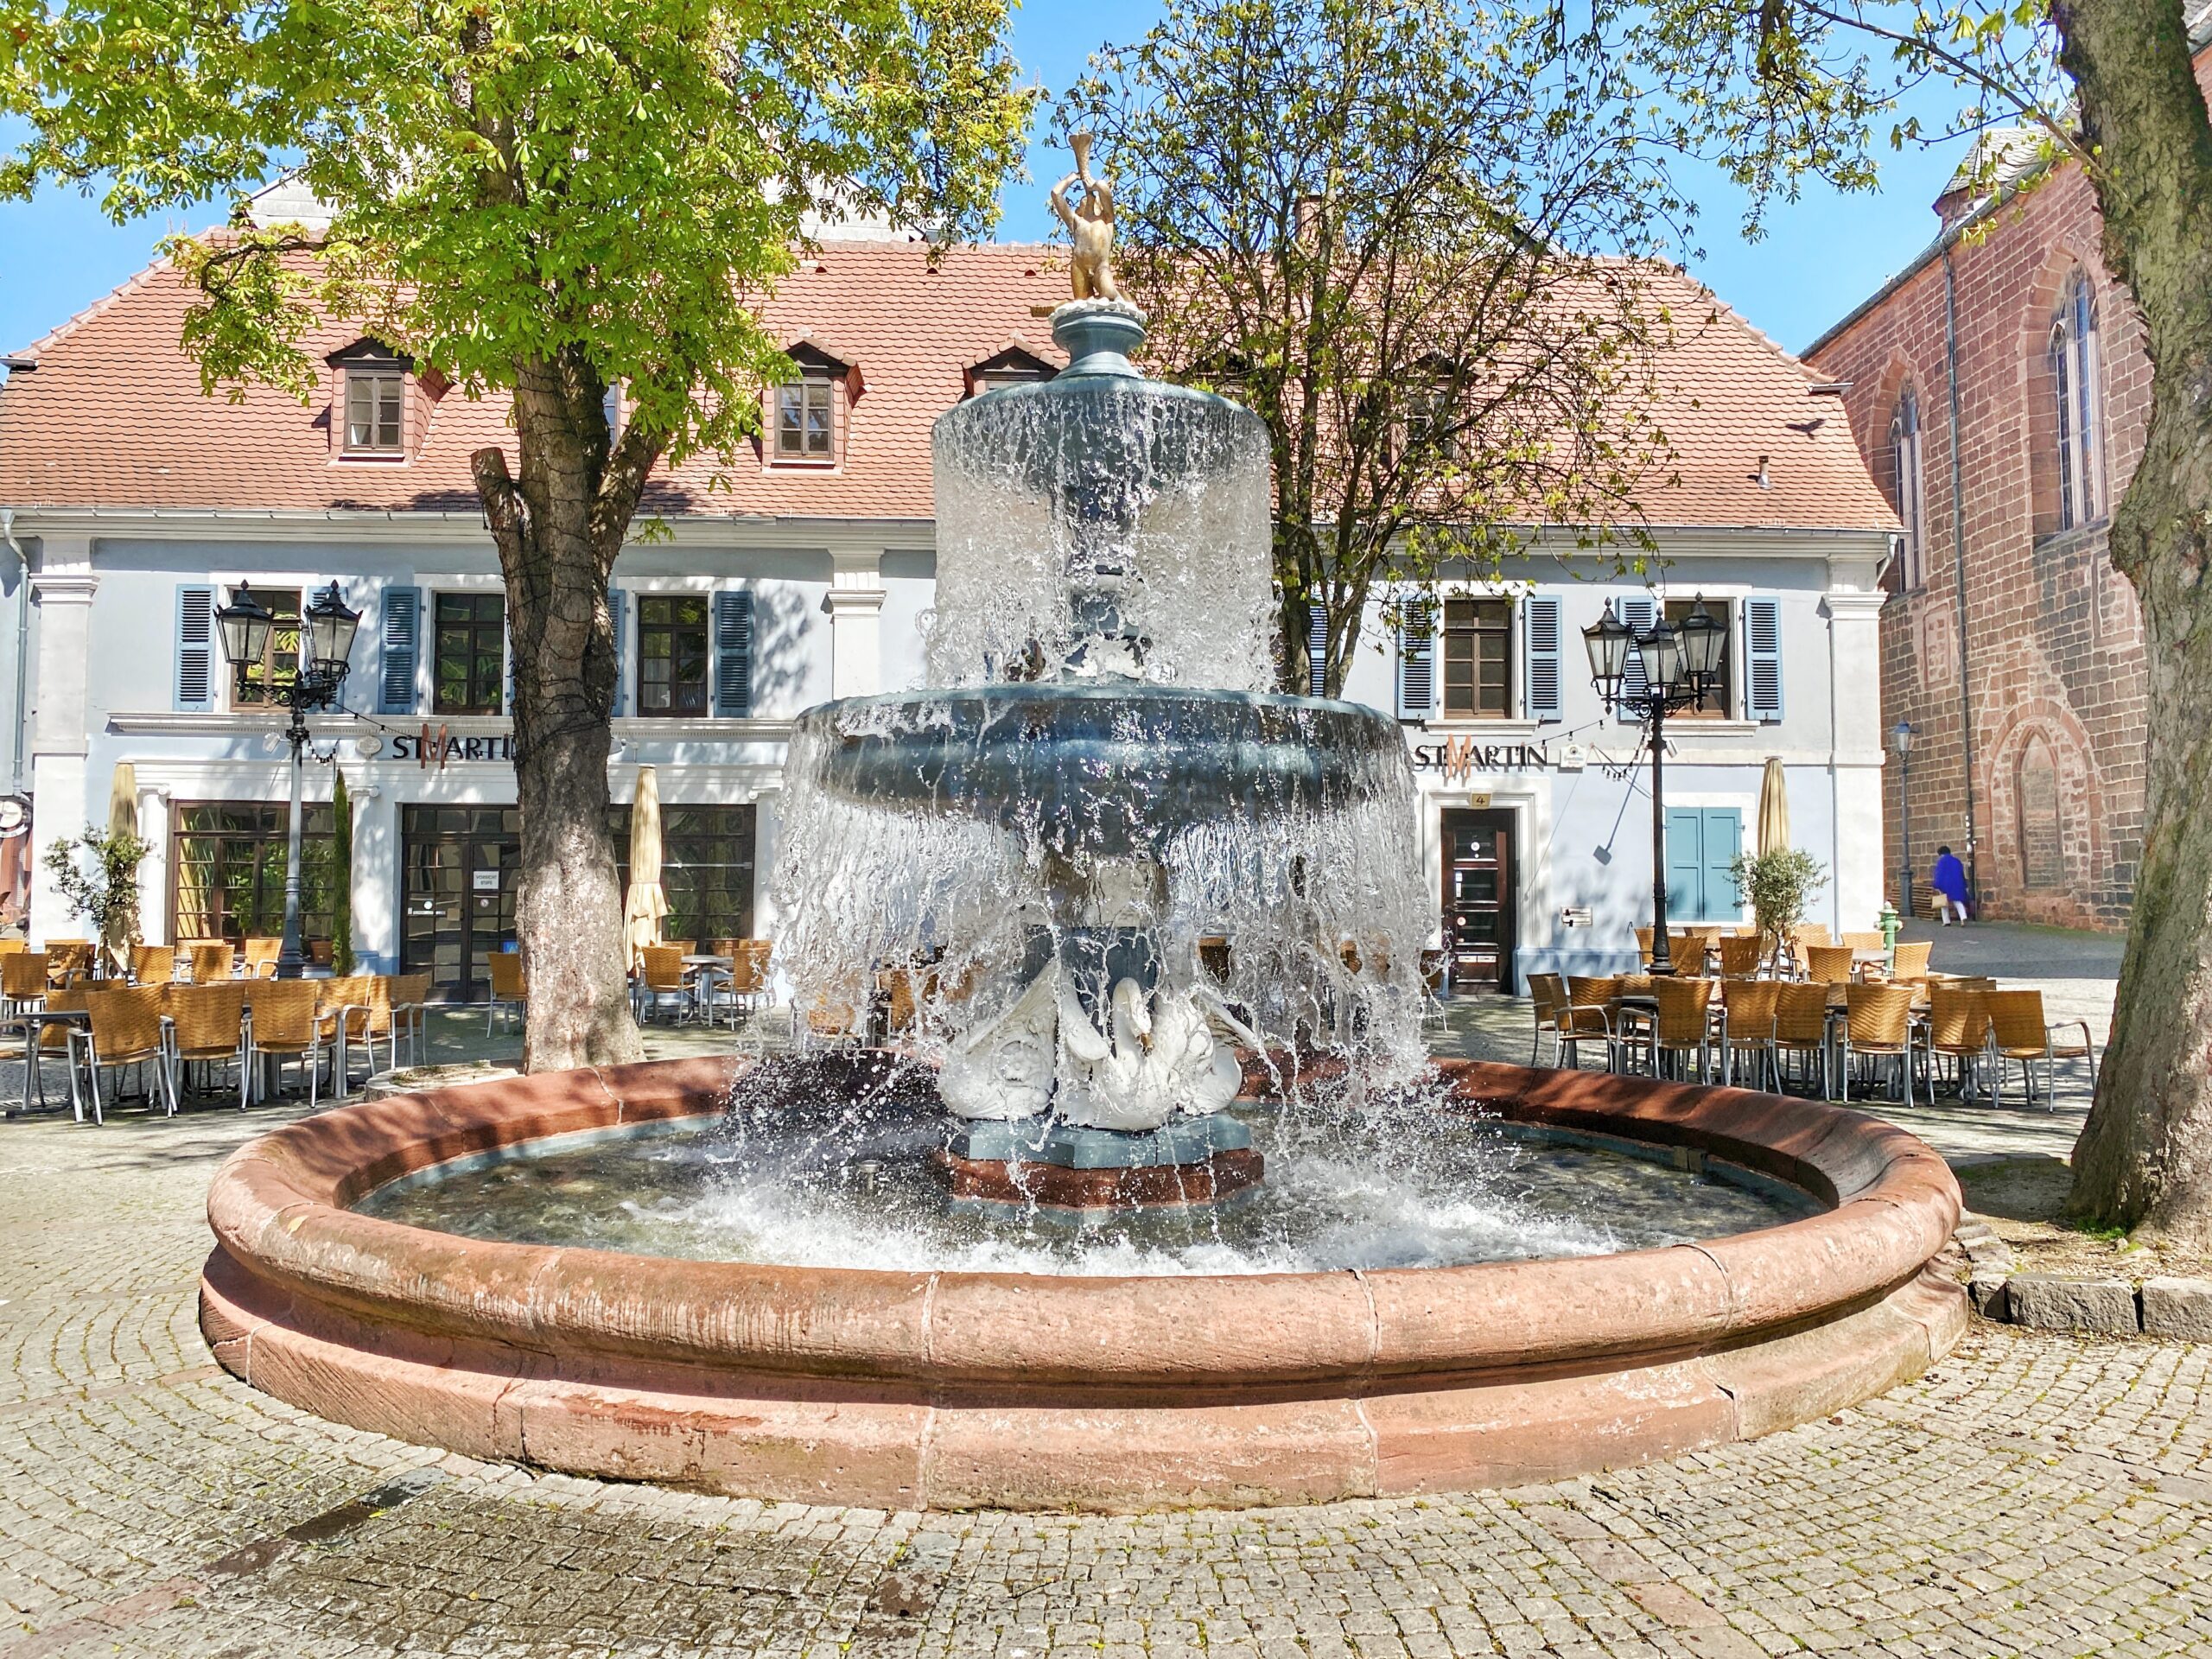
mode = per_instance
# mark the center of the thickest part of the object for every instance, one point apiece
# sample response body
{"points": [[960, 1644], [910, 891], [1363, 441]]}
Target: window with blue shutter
{"points": [[1639, 613], [195, 648], [618, 612], [1763, 658], [403, 650], [1703, 842], [1317, 649], [734, 654], [1540, 635], [1416, 668]]}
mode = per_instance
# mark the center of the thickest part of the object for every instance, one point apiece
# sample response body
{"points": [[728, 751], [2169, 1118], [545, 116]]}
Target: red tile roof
{"points": [[112, 414]]}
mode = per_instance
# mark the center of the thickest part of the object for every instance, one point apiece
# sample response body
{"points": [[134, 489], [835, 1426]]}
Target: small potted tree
{"points": [[1777, 886], [97, 875]]}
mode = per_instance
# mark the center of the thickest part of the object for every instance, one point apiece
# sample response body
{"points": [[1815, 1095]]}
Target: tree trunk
{"points": [[558, 528], [2144, 1160]]}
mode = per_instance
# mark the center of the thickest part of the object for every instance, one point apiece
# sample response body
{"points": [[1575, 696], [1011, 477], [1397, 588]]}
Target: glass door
{"points": [[1479, 907], [458, 907]]}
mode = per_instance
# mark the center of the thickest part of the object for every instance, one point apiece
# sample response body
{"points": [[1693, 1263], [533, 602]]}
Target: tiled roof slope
{"points": [[113, 416]]}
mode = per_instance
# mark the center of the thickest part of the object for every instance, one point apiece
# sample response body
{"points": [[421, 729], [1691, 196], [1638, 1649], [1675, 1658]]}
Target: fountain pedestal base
{"points": [[1073, 1167]]}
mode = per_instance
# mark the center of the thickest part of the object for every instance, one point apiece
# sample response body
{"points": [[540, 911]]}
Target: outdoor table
{"points": [[701, 969]]}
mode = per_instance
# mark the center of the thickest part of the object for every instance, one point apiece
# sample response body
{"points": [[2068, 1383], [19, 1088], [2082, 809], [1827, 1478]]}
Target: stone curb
{"points": [[2170, 1308]]}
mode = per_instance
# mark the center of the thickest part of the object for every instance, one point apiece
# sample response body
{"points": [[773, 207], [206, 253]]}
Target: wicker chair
{"points": [[1739, 956], [1682, 1025], [342, 1016], [153, 964], [1548, 996], [1878, 1025], [1828, 965], [510, 991], [207, 1029], [2017, 1032], [1909, 964], [68, 962], [212, 964], [1749, 1004], [1869, 940], [58, 1041], [410, 1010], [127, 1029], [1800, 1028], [1643, 948], [661, 981], [23, 981], [1958, 1030], [1589, 1019], [286, 1024], [261, 956]]}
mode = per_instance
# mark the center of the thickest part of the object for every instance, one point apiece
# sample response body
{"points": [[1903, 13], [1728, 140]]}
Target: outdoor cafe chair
{"points": [[1749, 1028], [1909, 963], [261, 956], [661, 981], [1828, 965], [1958, 1031], [1800, 1029], [57, 1040], [1739, 956], [1680, 1025], [1548, 997], [153, 964], [207, 1029], [1870, 940], [510, 991], [286, 1024], [1878, 1025], [127, 1030], [213, 963], [23, 981], [1643, 948], [1589, 1019], [10, 947], [2017, 1032], [68, 962], [342, 1021]]}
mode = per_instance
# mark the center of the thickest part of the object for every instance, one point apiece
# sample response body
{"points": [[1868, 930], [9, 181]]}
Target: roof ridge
{"points": [[54, 336]]}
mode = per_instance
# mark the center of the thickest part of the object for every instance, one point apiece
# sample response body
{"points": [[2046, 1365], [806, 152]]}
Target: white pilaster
{"points": [[855, 604], [767, 828], [153, 868], [63, 588], [375, 875], [1855, 754]]}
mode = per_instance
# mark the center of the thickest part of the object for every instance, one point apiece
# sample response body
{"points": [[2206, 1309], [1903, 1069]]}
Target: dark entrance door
{"points": [[458, 907], [1480, 906]]}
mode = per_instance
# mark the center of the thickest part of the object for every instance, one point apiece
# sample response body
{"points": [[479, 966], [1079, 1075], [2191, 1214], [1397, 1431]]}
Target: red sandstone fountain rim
{"points": [[289, 1247]]}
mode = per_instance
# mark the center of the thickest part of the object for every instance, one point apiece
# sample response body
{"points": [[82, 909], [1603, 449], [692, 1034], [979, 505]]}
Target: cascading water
{"points": [[1104, 857]]}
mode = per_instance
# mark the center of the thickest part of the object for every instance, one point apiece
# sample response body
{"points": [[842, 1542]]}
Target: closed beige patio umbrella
{"points": [[1774, 809], [645, 903], [122, 929]]}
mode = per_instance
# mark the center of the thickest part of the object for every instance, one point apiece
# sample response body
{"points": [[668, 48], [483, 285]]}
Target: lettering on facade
{"points": [[1460, 758], [427, 749]]}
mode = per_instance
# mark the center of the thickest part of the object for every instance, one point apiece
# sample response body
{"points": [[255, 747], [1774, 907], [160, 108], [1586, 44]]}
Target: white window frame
{"points": [[375, 379]]}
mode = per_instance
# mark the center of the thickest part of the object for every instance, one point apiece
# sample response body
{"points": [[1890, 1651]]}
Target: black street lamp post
{"points": [[1901, 747], [1682, 664], [326, 642]]}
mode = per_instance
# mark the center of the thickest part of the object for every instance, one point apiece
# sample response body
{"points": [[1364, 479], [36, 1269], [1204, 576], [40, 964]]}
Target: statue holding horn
{"points": [[1090, 226]]}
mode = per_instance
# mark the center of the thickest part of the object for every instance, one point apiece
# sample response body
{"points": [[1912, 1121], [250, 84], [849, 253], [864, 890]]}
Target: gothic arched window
{"points": [[2076, 374], [1904, 469]]}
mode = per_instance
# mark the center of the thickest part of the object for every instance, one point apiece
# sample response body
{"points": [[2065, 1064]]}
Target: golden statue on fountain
{"points": [[1090, 226]]}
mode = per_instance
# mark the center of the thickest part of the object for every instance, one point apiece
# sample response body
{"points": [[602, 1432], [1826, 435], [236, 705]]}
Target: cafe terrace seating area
{"points": [[1845, 1019], [205, 1018]]}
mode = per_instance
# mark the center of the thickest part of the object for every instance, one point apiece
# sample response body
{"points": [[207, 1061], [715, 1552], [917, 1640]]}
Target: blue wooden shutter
{"points": [[403, 649], [1540, 637], [1417, 669], [195, 648], [1317, 649], [1763, 658], [618, 612], [1724, 838], [734, 654], [1685, 864], [1639, 613]]}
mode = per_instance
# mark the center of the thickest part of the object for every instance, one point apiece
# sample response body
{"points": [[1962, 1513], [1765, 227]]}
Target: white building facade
{"points": [[138, 507]]}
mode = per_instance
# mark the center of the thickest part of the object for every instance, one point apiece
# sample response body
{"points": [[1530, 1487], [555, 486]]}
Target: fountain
{"points": [[1152, 1197]]}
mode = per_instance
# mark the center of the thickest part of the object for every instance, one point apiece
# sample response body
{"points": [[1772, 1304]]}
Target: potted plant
{"points": [[97, 875], [1777, 887]]}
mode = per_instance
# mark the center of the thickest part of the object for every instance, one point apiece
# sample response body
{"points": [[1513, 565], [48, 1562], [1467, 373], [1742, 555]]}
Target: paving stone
{"points": [[2178, 1309], [2060, 1301]]}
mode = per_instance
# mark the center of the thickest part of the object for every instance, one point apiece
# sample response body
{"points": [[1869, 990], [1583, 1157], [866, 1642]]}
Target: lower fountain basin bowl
{"points": [[952, 1389], [1112, 768]]}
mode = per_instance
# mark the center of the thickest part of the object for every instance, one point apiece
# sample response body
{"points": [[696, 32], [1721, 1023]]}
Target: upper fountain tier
{"points": [[1102, 524]]}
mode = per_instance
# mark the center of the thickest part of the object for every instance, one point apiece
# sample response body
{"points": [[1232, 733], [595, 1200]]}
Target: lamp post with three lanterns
{"points": [[327, 628], [1680, 665]]}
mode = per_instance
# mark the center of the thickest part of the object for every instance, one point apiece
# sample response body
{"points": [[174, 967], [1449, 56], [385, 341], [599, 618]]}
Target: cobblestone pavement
{"points": [[2036, 1495]]}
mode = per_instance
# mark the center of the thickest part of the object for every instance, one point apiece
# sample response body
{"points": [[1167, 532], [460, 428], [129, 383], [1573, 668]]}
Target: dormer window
{"points": [[374, 398], [1014, 365], [806, 418]]}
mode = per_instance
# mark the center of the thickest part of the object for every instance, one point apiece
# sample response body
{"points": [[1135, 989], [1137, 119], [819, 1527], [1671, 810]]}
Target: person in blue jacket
{"points": [[1949, 879]]}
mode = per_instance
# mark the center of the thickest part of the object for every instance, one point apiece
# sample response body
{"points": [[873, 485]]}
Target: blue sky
{"points": [[1821, 255]]}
